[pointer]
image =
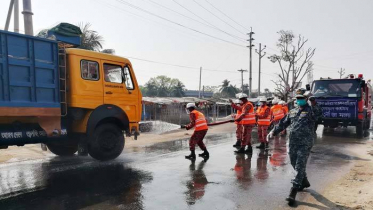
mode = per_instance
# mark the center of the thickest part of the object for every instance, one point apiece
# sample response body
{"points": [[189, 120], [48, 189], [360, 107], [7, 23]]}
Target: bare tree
{"points": [[294, 62]]}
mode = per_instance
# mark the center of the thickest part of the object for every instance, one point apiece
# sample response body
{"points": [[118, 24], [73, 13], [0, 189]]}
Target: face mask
{"points": [[187, 111], [301, 102], [295, 104]]}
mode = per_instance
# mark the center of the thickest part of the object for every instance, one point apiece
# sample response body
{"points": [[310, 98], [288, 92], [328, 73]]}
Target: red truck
{"points": [[345, 102]]}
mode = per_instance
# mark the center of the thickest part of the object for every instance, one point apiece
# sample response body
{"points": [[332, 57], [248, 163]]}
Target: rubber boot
{"points": [[241, 150], [261, 146], [237, 144], [249, 150], [292, 195], [305, 184], [204, 154], [192, 155]]}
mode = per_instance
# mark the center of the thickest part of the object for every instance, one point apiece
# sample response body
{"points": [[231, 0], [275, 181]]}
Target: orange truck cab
{"points": [[68, 99]]}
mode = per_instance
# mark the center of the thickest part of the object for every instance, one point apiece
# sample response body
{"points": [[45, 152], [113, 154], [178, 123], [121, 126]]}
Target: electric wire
{"points": [[208, 25], [218, 17], [176, 23]]}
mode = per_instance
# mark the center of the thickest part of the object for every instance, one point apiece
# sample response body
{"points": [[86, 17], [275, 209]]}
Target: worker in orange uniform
{"points": [[286, 111], [197, 120], [277, 112], [247, 119], [239, 128], [263, 115]]}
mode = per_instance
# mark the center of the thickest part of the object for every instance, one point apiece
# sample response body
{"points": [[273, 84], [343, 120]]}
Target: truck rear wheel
{"points": [[63, 149], [360, 129], [106, 142]]}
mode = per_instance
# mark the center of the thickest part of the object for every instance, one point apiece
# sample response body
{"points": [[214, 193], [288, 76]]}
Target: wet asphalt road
{"points": [[158, 177]]}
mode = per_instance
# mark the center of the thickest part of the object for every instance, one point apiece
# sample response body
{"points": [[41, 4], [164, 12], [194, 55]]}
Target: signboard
{"points": [[338, 108]]}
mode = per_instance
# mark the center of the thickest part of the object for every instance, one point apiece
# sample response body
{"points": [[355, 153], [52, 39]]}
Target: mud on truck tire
{"points": [[106, 142]]}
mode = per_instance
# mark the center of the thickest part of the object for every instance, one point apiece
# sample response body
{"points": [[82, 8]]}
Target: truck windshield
{"points": [[336, 88]]}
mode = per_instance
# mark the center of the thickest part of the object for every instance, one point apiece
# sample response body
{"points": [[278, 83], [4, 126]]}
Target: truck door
{"points": [[119, 88]]}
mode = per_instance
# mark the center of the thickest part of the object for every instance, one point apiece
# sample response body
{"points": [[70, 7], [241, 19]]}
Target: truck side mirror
{"points": [[308, 87]]}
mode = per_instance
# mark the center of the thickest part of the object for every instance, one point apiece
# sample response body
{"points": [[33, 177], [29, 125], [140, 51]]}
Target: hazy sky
{"points": [[340, 30]]}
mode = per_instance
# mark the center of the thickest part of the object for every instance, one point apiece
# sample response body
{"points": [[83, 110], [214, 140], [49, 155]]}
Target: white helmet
{"points": [[237, 101], [190, 105], [281, 102], [262, 100], [275, 101], [241, 95]]}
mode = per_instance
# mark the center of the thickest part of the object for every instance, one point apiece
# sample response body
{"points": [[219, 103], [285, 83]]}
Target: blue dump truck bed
{"points": [[29, 72]]}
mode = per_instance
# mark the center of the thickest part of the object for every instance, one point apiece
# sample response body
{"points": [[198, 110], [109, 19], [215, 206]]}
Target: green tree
{"points": [[91, 40], [227, 89], [143, 90], [163, 86], [177, 88]]}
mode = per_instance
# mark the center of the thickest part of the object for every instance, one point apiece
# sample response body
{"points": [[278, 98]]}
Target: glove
{"points": [[182, 126], [270, 135], [231, 120]]}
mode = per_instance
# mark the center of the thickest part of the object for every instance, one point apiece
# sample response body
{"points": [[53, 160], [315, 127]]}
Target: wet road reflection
{"points": [[74, 188], [196, 186], [158, 177], [243, 170]]}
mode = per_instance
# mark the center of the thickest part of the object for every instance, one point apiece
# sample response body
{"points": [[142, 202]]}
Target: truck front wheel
{"points": [[63, 149], [106, 142]]}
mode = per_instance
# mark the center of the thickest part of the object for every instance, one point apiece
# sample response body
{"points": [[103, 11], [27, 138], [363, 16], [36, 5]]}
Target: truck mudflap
{"points": [[29, 134]]}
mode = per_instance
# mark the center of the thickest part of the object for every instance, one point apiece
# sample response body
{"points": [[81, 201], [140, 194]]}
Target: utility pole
{"points": [[200, 77], [242, 71], [341, 73], [16, 16], [260, 63], [27, 15], [251, 39], [10, 10]]}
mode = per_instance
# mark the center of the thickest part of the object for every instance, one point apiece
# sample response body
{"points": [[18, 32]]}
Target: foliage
{"points": [[294, 62], [108, 51], [91, 40], [163, 86], [227, 90]]}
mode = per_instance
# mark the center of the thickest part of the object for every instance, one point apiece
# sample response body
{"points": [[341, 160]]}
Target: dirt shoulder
{"points": [[34, 152], [354, 190]]}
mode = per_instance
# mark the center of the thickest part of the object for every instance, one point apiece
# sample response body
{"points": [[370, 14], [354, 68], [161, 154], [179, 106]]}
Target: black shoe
{"points": [[249, 150], [240, 151], [292, 195], [237, 144], [261, 146], [305, 184], [204, 154], [191, 157]]}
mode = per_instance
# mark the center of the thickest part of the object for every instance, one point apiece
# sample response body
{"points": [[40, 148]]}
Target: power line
{"points": [[227, 16], [208, 25], [176, 65], [146, 19], [217, 17], [176, 23]]}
